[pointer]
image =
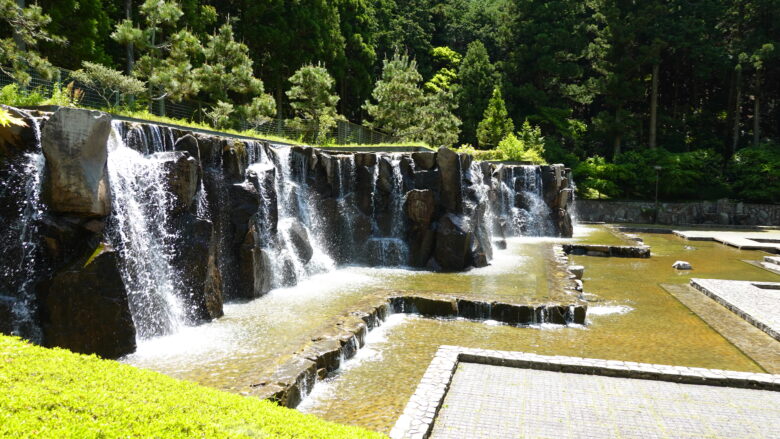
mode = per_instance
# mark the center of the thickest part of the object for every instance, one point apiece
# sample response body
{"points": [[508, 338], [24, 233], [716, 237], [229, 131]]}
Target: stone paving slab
{"points": [[757, 398], [753, 342], [768, 241], [504, 402], [756, 302]]}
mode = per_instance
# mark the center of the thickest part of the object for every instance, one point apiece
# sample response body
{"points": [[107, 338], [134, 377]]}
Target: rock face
{"points": [[452, 243], [85, 308], [75, 146], [235, 218]]}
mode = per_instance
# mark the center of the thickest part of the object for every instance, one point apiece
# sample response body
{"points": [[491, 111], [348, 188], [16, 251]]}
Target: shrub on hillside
{"points": [[755, 173]]}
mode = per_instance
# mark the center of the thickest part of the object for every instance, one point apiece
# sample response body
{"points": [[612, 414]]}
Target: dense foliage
{"points": [[599, 78], [56, 393]]}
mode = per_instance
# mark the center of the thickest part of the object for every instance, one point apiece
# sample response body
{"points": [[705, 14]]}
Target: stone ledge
{"points": [[746, 300], [615, 251], [420, 412], [295, 376]]}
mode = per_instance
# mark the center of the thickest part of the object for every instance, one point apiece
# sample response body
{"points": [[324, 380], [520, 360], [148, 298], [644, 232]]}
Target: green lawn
{"points": [[56, 393]]}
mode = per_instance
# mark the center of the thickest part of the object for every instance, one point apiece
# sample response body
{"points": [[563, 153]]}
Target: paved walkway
{"points": [[756, 302], [766, 240], [504, 402]]}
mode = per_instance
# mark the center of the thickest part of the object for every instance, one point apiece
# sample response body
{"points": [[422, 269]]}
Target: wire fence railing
{"points": [[344, 132]]}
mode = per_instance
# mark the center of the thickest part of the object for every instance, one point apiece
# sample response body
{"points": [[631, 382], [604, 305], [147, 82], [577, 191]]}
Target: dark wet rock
{"points": [[618, 251], [255, 267], [430, 180], [299, 238], [424, 160], [75, 146], [189, 144], [365, 159], [364, 188], [500, 243], [420, 206], [295, 378], [385, 178], [476, 310], [512, 314], [15, 139], [453, 241], [181, 177], [235, 160], [7, 315], [450, 176], [85, 308], [196, 258], [425, 306]]}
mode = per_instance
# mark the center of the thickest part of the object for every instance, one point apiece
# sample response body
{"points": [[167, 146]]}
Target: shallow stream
{"points": [[630, 318]]}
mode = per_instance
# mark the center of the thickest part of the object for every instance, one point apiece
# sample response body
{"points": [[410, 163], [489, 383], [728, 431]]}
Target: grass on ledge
{"points": [[56, 393]]}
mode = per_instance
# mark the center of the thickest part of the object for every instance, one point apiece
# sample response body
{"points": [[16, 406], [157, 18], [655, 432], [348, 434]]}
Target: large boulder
{"points": [[235, 160], [450, 173], [75, 146], [181, 177], [85, 308], [453, 241]]}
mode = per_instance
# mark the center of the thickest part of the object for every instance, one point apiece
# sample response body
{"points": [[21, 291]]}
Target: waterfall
{"points": [[299, 222], [391, 249], [521, 204], [20, 192], [141, 207]]}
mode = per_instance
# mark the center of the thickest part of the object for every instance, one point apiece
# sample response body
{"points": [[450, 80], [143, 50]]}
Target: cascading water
{"points": [[299, 222], [391, 249], [20, 192], [141, 206], [522, 209]]}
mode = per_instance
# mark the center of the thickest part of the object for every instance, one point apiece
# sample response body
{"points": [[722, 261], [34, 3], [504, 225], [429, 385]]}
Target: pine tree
{"points": [[313, 101], [18, 53], [398, 97], [496, 123], [477, 77]]}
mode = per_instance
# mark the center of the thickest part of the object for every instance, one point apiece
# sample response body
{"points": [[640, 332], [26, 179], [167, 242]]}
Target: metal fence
{"points": [[344, 132]]}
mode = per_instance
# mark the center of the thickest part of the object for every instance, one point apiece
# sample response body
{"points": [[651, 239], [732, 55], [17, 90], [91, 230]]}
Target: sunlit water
{"points": [[630, 318]]}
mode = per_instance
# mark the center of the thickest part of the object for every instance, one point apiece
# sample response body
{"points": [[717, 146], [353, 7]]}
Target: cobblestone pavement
{"points": [[756, 302], [496, 402]]}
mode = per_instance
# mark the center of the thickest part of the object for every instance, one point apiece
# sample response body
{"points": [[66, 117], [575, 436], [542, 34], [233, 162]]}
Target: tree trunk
{"points": [[618, 135], [654, 106], [757, 118], [737, 98], [20, 44], [130, 48]]}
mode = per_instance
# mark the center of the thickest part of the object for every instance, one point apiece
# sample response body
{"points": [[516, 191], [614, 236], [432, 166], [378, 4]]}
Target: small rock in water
{"points": [[688, 247], [682, 265], [577, 270], [500, 244]]}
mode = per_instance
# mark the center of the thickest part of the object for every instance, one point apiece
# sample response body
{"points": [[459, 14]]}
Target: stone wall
{"points": [[721, 212]]}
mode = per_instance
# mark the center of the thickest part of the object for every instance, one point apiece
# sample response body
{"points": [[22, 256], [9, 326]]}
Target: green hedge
{"points": [[55, 393], [752, 175]]}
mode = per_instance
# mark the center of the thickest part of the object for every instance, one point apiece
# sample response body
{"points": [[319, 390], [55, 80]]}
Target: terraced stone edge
{"points": [[735, 309], [614, 251], [295, 377], [420, 413]]}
